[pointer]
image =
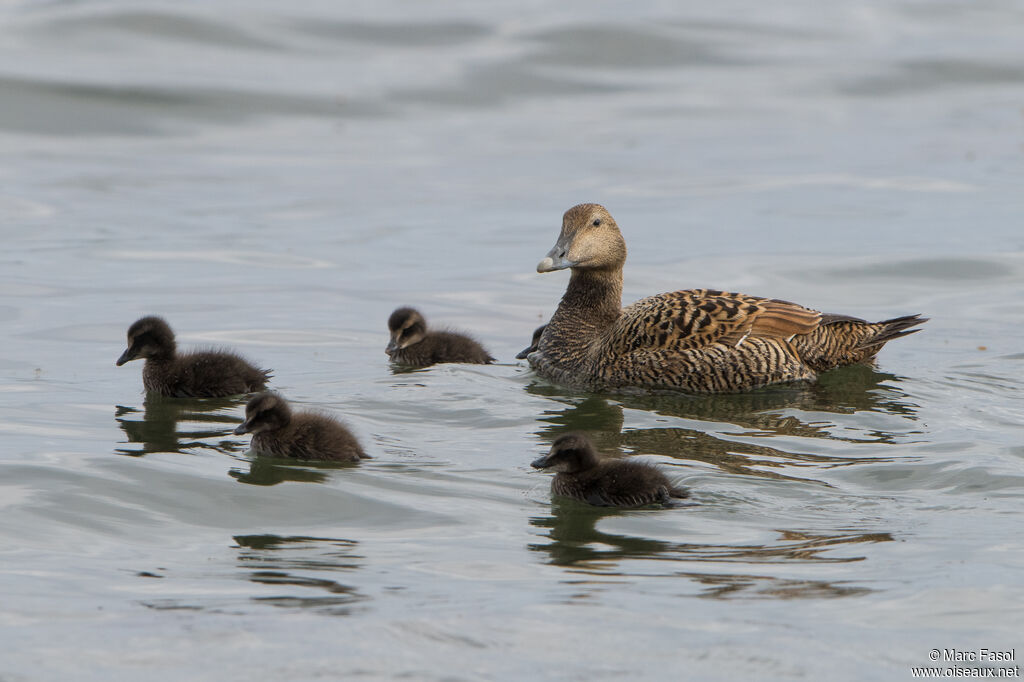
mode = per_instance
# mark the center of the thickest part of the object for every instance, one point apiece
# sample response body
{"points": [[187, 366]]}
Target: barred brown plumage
{"points": [[697, 340]]}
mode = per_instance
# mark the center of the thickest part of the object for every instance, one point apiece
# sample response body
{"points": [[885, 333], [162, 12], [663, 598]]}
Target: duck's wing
{"points": [[697, 318], [627, 483], [604, 498]]}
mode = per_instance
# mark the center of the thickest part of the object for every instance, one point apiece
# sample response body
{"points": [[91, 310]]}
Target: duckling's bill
{"points": [[541, 462], [128, 355]]}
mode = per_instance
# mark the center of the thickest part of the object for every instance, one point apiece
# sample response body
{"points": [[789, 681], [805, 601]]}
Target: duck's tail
{"points": [[843, 340], [893, 329]]}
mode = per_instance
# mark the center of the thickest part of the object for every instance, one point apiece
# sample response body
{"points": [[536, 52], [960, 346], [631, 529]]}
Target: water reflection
{"points": [[575, 541], [843, 391], [271, 471], [397, 369], [817, 411], [301, 571], [847, 390], [728, 586], [157, 430]]}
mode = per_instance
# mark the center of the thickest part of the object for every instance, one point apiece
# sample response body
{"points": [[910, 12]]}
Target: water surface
{"points": [[278, 179]]}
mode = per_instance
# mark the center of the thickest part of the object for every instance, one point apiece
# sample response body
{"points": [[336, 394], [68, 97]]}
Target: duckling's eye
{"points": [[597, 221]]}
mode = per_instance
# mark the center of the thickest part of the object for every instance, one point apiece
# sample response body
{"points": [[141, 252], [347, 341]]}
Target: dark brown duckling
{"points": [[534, 342], [279, 432], [584, 477], [696, 340], [414, 345], [195, 374]]}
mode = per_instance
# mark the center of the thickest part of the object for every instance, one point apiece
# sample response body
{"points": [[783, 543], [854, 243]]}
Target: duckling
{"points": [[412, 344], [196, 374], [583, 476], [278, 432], [521, 355], [696, 340]]}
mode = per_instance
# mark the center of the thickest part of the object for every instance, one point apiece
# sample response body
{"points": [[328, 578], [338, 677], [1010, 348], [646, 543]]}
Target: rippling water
{"points": [[278, 179]]}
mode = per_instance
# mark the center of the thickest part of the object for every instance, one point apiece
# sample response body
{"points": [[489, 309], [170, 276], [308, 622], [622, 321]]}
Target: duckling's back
{"points": [[311, 436], [204, 374], [441, 347], [618, 484]]}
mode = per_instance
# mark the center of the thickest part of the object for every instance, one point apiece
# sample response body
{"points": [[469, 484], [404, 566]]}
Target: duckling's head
{"points": [[534, 342], [590, 239], [407, 327], [569, 454], [148, 337], [266, 411]]}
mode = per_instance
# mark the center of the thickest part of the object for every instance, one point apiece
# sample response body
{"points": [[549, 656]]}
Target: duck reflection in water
{"points": [[575, 541], [268, 471], [158, 429], [300, 572], [738, 419]]}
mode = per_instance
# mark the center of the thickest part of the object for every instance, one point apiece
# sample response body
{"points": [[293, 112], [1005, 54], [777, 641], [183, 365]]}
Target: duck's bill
{"points": [[521, 355], [550, 264], [127, 356], [557, 258], [540, 463], [244, 427]]}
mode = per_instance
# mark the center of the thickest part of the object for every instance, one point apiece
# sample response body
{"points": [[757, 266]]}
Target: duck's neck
{"points": [[593, 299], [157, 372], [162, 358]]}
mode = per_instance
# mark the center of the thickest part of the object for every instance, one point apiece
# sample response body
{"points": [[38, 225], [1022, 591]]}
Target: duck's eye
{"points": [[597, 221]]}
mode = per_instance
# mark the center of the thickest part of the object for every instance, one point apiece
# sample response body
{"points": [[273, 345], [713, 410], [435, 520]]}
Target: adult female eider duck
{"points": [[196, 374], [414, 345], [584, 477], [696, 340], [279, 432]]}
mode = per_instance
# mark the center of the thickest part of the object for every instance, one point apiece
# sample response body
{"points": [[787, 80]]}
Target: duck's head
{"points": [[534, 342], [148, 337], [569, 454], [265, 412], [407, 327], [590, 239]]}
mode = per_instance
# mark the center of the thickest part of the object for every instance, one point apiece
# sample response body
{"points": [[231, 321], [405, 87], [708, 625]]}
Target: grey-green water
{"points": [[277, 178]]}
